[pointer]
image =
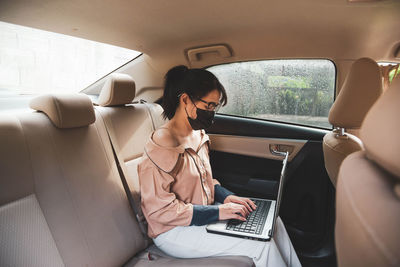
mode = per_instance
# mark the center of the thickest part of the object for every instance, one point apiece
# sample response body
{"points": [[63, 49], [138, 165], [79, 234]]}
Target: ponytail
{"points": [[174, 80]]}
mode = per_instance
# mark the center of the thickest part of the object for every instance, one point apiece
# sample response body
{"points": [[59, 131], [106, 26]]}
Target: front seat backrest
{"points": [[362, 87], [368, 191]]}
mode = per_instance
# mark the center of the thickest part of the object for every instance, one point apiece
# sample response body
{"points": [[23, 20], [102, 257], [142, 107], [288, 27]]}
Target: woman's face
{"points": [[208, 102]]}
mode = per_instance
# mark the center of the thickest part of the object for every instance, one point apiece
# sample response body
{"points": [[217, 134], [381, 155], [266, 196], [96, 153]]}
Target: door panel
{"points": [[241, 160], [255, 146]]}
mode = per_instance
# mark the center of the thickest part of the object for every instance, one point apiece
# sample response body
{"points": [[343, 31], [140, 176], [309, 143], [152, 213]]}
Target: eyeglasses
{"points": [[210, 105]]}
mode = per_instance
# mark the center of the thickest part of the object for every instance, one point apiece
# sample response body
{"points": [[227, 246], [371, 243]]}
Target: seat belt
{"points": [[148, 108], [133, 195]]}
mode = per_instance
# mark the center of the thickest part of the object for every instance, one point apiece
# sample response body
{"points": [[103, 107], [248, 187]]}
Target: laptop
{"points": [[260, 224]]}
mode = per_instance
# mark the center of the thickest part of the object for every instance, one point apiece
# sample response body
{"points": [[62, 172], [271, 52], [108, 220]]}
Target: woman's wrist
{"points": [[204, 214], [221, 193]]}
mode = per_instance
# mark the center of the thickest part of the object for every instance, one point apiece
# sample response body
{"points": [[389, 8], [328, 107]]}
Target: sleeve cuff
{"points": [[221, 193], [204, 214]]}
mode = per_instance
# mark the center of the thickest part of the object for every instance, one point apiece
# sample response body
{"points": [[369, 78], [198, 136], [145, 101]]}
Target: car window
{"points": [[293, 91], [33, 61]]}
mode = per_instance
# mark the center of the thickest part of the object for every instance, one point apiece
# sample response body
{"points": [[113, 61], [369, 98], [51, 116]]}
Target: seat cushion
{"points": [[25, 237], [227, 261]]}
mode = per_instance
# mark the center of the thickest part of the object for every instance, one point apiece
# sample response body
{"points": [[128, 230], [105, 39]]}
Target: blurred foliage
{"points": [[294, 88], [393, 73]]}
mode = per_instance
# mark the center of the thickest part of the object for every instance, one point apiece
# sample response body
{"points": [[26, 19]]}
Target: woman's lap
{"points": [[195, 242]]}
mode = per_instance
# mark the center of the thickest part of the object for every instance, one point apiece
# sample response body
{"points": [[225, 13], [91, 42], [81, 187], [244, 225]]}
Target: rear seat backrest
{"points": [[24, 233], [71, 172], [61, 198], [131, 123]]}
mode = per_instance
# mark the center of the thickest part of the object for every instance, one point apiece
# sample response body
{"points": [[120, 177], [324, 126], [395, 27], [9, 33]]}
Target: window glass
{"points": [[33, 61], [294, 91]]}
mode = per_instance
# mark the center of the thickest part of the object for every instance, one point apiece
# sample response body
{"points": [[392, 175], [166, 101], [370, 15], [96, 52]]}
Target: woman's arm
{"points": [[204, 214], [221, 193], [159, 204]]}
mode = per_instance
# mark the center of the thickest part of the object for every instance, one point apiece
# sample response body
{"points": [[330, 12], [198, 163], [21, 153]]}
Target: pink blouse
{"points": [[172, 179]]}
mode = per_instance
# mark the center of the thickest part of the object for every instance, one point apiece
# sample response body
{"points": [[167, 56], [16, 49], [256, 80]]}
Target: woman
{"points": [[179, 194]]}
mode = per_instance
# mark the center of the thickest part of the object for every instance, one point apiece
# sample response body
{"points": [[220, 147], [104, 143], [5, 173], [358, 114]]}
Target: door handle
{"points": [[280, 149]]}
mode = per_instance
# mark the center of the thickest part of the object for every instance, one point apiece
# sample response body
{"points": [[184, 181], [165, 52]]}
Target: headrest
{"points": [[66, 111], [381, 128], [360, 90], [119, 89]]}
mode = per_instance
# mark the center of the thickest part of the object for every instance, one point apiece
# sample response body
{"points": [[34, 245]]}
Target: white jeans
{"points": [[195, 242]]}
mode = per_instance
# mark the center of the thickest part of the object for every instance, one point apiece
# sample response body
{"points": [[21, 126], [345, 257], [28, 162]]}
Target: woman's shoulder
{"points": [[164, 137], [161, 151]]}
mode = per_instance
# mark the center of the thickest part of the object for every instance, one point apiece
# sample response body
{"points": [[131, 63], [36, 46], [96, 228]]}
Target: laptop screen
{"points": [[278, 199]]}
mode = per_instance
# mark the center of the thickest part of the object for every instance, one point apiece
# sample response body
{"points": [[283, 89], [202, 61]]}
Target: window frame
{"points": [[111, 72], [284, 122]]}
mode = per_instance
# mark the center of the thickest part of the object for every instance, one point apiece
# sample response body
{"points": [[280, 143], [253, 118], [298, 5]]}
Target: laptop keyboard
{"points": [[255, 221]]}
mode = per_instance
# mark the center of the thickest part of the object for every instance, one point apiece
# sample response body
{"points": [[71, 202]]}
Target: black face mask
{"points": [[203, 120]]}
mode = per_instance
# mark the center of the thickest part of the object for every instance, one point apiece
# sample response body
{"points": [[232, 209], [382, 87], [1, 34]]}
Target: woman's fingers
{"points": [[241, 210], [247, 203], [238, 217], [251, 203], [243, 202]]}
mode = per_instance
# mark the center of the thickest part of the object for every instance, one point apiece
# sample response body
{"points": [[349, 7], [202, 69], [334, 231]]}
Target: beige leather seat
{"points": [[62, 202], [368, 190], [362, 87], [131, 124]]}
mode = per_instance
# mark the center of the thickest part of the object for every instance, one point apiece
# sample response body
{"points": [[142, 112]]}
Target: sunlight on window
{"points": [[33, 61]]}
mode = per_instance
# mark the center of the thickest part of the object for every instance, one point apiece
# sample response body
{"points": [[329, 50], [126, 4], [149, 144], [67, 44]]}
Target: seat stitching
{"points": [[103, 145], [334, 149], [66, 184], [29, 152], [58, 110], [34, 184]]}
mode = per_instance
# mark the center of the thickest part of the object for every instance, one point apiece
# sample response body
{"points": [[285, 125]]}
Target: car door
{"points": [[247, 134]]}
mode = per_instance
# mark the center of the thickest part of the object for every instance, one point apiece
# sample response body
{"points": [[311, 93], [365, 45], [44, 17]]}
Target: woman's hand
{"points": [[250, 206], [232, 211]]}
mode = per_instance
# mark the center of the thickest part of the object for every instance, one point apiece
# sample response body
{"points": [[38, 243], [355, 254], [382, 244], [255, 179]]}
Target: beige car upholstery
{"points": [[65, 111], [62, 202], [362, 87], [132, 124], [119, 89], [255, 146], [368, 195], [76, 183]]}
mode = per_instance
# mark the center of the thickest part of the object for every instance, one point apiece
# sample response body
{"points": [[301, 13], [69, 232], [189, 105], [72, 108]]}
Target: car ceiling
{"points": [[256, 29]]}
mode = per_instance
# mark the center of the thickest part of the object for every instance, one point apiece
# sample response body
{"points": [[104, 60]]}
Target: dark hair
{"points": [[197, 83]]}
